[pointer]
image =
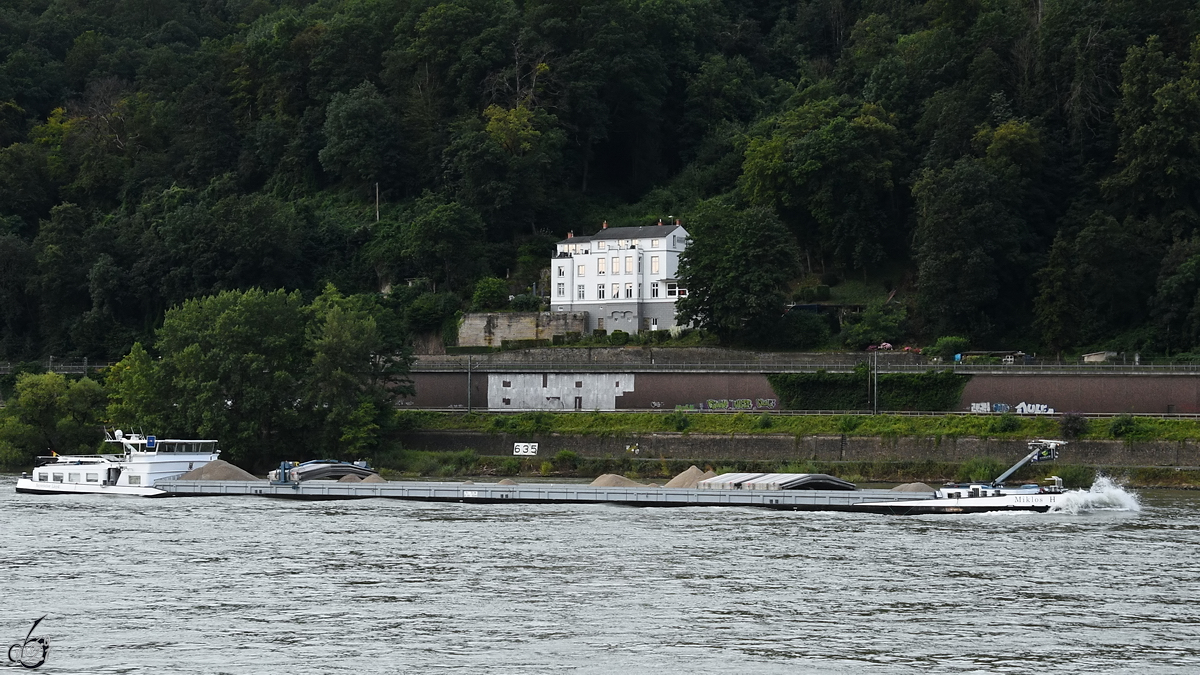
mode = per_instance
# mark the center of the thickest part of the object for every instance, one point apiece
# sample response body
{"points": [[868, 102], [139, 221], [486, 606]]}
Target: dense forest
{"points": [[1024, 173]]}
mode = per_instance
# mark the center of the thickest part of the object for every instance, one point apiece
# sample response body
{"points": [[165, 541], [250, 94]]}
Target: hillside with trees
{"points": [[1023, 173]]}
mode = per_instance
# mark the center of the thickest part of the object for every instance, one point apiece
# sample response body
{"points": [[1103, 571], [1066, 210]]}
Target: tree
{"points": [[967, 246], [437, 239], [268, 375], [490, 294], [234, 362], [735, 269], [360, 132], [880, 322], [828, 166]]}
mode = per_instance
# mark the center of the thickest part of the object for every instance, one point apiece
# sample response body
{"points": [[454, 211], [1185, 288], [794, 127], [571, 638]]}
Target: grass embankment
{"points": [[568, 464], [885, 426]]}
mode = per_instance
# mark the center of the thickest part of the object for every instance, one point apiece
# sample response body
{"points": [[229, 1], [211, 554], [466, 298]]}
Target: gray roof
{"points": [[644, 232]]}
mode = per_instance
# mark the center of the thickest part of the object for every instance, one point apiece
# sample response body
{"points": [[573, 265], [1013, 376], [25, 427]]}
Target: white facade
{"points": [[625, 278]]}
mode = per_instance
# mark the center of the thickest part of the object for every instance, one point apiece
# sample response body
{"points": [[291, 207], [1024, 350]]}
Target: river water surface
{"points": [[252, 585]]}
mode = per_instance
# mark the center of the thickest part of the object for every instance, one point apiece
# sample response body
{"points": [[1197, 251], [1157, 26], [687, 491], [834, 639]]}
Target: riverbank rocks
{"points": [[350, 478], [615, 480], [687, 479], [374, 478], [912, 487]]}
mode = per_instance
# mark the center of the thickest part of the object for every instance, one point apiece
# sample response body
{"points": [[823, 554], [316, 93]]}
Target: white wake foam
{"points": [[1103, 495]]}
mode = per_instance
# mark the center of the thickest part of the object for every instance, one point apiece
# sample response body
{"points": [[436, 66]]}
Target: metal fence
{"points": [[53, 365], [782, 366]]}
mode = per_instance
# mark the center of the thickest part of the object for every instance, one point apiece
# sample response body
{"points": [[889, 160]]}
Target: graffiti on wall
{"points": [[740, 404], [1021, 408]]}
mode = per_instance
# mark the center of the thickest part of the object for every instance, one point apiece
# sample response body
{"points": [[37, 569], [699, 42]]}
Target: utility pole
{"points": [[377, 202], [468, 383], [875, 409]]}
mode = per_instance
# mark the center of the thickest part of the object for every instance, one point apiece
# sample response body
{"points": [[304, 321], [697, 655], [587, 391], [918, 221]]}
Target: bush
{"points": [[1072, 425], [947, 346], [510, 466], [1006, 423], [618, 338], [1074, 476], [879, 322], [566, 460], [1123, 425], [678, 420], [979, 469], [546, 468], [599, 333], [799, 329], [526, 302], [765, 421], [490, 294]]}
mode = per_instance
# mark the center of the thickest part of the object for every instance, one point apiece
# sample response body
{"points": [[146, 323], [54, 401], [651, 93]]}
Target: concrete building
{"points": [[625, 278]]}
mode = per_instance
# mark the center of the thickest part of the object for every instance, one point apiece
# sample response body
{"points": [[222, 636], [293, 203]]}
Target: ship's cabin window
{"points": [[58, 478], [72, 478], [135, 480], [43, 477], [93, 478]]}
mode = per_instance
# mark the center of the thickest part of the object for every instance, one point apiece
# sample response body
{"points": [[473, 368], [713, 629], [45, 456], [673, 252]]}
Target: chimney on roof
{"points": [[570, 233], [604, 225], [660, 222], [677, 222]]}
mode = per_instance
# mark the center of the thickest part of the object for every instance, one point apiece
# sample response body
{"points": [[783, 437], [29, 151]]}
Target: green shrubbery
{"points": [[931, 390]]}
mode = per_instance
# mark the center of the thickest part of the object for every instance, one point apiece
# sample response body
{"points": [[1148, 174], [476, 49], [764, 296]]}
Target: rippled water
{"points": [[245, 585]]}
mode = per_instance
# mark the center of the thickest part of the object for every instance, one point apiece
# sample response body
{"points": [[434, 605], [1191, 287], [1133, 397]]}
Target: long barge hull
{"points": [[860, 501]]}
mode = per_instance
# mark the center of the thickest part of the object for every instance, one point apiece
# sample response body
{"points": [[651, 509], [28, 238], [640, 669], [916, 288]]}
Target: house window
{"points": [[578, 384], [600, 245], [506, 383], [629, 290], [579, 291], [654, 290], [616, 265], [601, 267], [506, 401], [640, 290], [628, 264], [582, 270], [683, 292], [672, 290], [646, 323], [655, 243], [616, 291], [562, 270], [135, 480], [600, 291], [639, 265], [653, 264], [561, 290], [653, 324]]}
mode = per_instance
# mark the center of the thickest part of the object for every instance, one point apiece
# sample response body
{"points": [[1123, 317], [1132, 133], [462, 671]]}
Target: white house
{"points": [[625, 278]]}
